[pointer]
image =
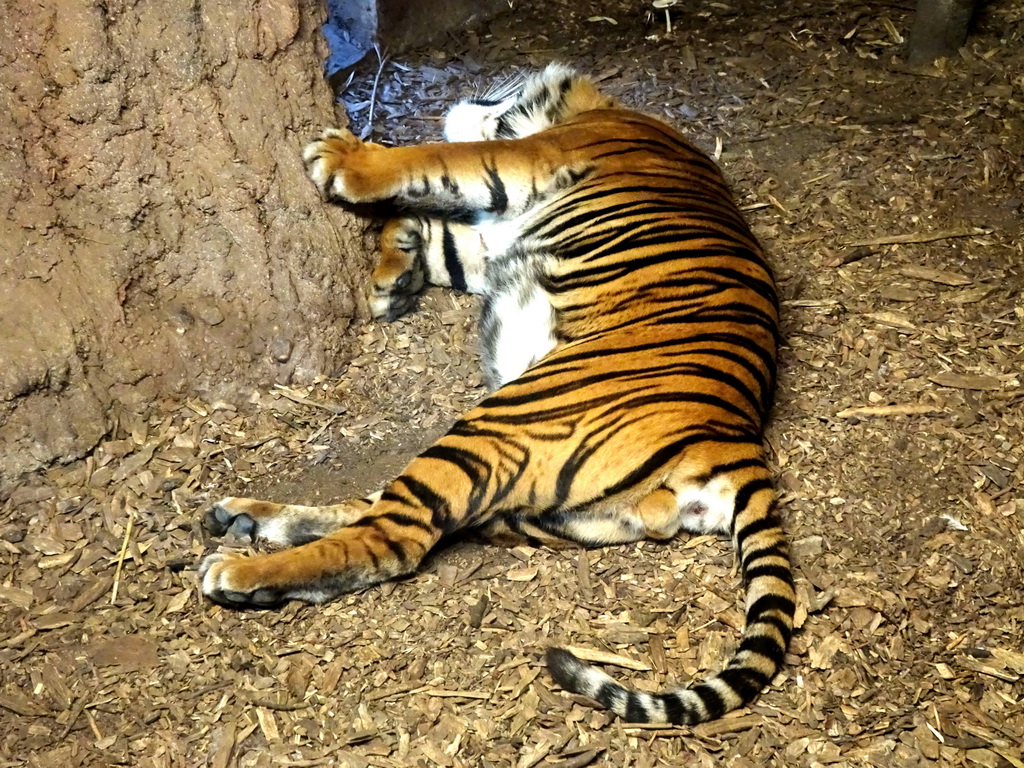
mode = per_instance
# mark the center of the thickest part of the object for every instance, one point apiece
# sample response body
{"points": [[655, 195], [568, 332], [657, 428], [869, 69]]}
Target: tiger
{"points": [[630, 329]]}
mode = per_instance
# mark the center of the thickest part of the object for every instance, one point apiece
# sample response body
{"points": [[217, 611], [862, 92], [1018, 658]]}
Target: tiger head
{"points": [[524, 106]]}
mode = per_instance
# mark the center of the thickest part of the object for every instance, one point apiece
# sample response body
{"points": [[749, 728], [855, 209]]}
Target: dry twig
{"points": [[920, 237], [887, 410], [121, 555]]}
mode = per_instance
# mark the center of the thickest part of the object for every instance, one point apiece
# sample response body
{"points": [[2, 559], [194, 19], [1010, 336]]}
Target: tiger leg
{"points": [[387, 540], [689, 498], [659, 515], [418, 249], [457, 181], [286, 525], [383, 543], [471, 475], [586, 527]]}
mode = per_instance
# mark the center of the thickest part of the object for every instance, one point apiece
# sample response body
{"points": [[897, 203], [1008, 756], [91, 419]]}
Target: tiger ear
{"points": [[584, 97]]}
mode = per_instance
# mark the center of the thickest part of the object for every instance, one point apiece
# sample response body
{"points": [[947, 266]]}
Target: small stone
{"points": [[13, 535], [281, 349], [171, 482], [209, 314]]}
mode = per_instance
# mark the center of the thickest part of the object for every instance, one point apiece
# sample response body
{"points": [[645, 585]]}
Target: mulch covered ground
{"points": [[891, 202]]}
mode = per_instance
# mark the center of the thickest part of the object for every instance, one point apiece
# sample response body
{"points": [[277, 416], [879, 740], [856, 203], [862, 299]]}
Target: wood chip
{"points": [[892, 320], [990, 670], [445, 694], [726, 725], [268, 724], [604, 657], [941, 276], [133, 652], [223, 746], [522, 574]]}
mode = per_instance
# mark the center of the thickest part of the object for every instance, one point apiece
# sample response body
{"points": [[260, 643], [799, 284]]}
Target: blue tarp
{"points": [[350, 30]]}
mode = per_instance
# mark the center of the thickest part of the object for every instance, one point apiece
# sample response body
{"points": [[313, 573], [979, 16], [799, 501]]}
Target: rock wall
{"points": [[158, 235]]}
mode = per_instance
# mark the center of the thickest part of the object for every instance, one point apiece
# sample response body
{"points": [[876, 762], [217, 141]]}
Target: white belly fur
{"points": [[525, 334]]}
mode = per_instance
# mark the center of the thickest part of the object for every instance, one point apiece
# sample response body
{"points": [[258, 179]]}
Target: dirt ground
{"points": [[891, 202]]}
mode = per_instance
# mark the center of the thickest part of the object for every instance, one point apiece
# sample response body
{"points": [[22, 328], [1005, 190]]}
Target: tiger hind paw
{"points": [[221, 520], [223, 579]]}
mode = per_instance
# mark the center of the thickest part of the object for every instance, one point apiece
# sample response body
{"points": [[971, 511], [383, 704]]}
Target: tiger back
{"points": [[630, 325]]}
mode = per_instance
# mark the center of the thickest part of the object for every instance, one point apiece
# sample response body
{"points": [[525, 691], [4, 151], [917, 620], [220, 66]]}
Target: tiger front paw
{"points": [[330, 164]]}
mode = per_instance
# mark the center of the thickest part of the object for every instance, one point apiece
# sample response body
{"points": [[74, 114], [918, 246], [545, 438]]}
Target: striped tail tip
{"points": [[709, 700], [578, 677]]}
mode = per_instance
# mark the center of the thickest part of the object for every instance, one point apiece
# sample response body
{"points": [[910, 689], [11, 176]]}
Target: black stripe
{"points": [[733, 313], [396, 549], [784, 627], [746, 493], [476, 468], [764, 288], [622, 401], [542, 370], [456, 275], [769, 603], [768, 570], [629, 375], [441, 517], [407, 521], [579, 456], [655, 461], [673, 238], [502, 128], [778, 549], [643, 205], [449, 184], [694, 370], [607, 693], [373, 557], [731, 466], [712, 701], [745, 681], [473, 465], [760, 525], [496, 188], [635, 712], [675, 712], [764, 645]]}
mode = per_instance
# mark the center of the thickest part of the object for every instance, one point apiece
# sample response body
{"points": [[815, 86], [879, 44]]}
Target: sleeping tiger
{"points": [[630, 329]]}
